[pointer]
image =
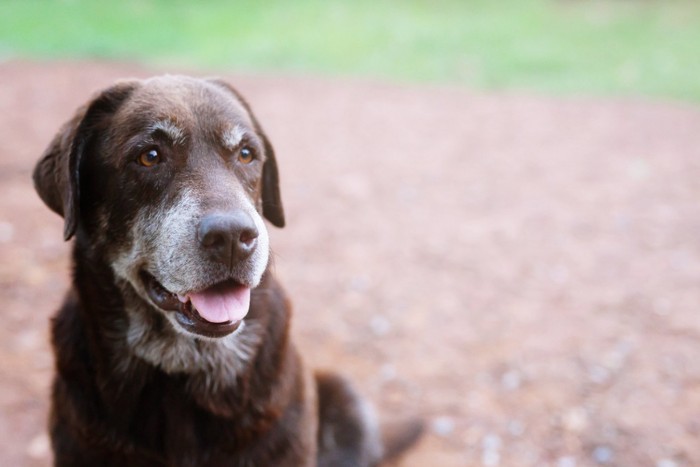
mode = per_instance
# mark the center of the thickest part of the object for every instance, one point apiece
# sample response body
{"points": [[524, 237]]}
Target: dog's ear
{"points": [[271, 196], [56, 175]]}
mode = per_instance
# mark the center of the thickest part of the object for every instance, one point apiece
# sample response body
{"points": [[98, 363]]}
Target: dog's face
{"points": [[167, 180]]}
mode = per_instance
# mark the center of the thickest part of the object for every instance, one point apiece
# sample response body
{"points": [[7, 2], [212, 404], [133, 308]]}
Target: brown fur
{"points": [[130, 387]]}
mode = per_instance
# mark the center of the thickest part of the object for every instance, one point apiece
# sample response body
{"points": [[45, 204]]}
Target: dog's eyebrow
{"points": [[175, 134], [232, 136]]}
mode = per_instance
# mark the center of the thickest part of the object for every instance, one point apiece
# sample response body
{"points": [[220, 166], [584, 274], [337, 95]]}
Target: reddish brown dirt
{"points": [[522, 271]]}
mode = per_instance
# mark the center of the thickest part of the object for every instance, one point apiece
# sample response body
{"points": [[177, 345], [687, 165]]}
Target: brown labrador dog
{"points": [[172, 347]]}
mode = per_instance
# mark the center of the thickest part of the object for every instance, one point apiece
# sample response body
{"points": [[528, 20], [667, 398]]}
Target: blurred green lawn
{"points": [[630, 47]]}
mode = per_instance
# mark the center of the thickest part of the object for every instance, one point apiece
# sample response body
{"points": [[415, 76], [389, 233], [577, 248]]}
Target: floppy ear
{"points": [[56, 175], [271, 196]]}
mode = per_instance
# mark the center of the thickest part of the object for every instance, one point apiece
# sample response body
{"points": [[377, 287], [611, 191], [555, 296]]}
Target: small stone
{"points": [[28, 340], [667, 463], [616, 359], [359, 283], [566, 461], [599, 374], [491, 447], [491, 443], [559, 274], [354, 186], [575, 419], [7, 232], [407, 194], [662, 306], [491, 458], [639, 170], [388, 372], [511, 380], [603, 454], [39, 447], [380, 325], [443, 426], [516, 428]]}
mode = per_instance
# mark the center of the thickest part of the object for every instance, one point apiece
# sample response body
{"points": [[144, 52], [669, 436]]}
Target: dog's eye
{"points": [[246, 155], [149, 158]]}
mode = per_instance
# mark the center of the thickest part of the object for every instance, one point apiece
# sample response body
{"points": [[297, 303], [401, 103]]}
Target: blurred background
{"points": [[493, 207], [564, 46]]}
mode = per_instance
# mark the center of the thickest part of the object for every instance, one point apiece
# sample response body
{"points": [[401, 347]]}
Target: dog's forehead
{"points": [[187, 102]]}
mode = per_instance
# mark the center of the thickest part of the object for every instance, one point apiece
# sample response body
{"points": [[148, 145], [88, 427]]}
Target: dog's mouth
{"points": [[215, 311]]}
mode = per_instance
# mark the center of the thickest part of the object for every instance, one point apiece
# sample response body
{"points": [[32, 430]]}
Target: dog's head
{"points": [[167, 180]]}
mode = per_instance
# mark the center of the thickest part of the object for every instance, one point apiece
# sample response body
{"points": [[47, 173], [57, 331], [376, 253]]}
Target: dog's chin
{"points": [[224, 305]]}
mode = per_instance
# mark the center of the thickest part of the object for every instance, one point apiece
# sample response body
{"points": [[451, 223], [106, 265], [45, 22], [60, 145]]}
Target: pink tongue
{"points": [[222, 303]]}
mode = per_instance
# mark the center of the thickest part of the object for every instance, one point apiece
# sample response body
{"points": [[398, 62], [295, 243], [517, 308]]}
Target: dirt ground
{"points": [[522, 271]]}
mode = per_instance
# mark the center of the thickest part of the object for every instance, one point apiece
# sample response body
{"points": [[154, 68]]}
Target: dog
{"points": [[172, 346]]}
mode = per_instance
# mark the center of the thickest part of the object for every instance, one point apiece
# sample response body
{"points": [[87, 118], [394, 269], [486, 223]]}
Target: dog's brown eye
{"points": [[149, 158], [246, 155]]}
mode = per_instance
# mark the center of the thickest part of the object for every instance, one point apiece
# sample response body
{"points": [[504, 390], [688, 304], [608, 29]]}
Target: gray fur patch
{"points": [[163, 242], [216, 361], [232, 137], [173, 132]]}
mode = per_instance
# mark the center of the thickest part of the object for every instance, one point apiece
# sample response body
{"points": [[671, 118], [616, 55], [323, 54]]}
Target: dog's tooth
{"points": [[183, 298]]}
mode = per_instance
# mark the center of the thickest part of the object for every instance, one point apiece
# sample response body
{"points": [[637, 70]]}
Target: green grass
{"points": [[632, 47]]}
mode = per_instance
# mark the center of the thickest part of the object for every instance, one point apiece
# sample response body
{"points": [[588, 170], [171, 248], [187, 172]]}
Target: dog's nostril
{"points": [[248, 237], [212, 238]]}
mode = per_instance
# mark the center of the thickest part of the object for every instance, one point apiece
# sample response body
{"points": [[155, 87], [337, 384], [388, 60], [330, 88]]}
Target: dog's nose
{"points": [[228, 237]]}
